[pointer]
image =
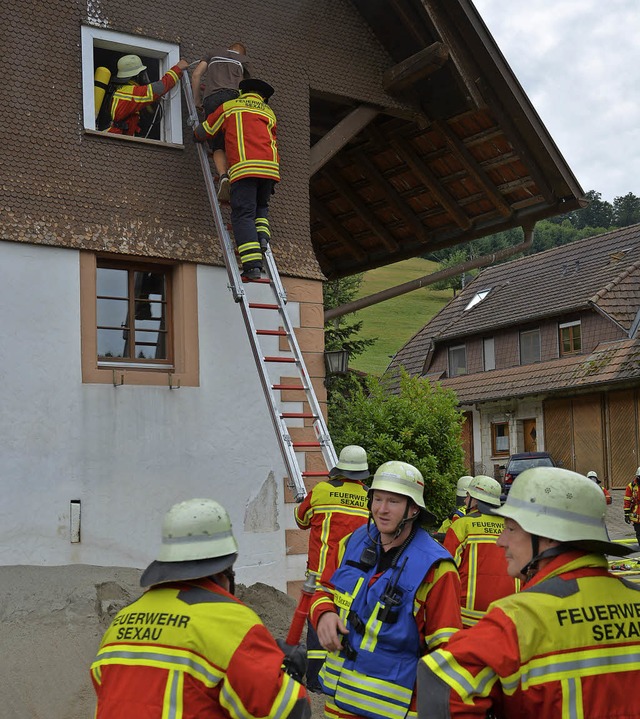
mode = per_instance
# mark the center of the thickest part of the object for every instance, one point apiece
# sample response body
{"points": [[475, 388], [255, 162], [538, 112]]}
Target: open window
{"points": [[102, 49]]}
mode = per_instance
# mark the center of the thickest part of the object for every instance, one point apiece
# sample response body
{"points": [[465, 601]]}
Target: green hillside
{"points": [[397, 320]]}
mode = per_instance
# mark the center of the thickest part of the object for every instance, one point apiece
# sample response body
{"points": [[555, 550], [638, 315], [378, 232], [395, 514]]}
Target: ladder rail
{"points": [[287, 448]]}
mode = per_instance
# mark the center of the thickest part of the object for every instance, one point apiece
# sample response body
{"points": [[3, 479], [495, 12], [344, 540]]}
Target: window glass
{"points": [[457, 360], [530, 346], [570, 338], [500, 438], [488, 353]]}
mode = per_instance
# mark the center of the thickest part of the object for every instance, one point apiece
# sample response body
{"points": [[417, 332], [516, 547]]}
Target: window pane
{"points": [[529, 347], [150, 345], [112, 343], [577, 341], [457, 361], [112, 313], [149, 315], [111, 283], [489, 353]]}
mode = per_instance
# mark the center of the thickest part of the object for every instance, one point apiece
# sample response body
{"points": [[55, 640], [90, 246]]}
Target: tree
{"points": [[454, 283], [626, 210], [419, 423]]}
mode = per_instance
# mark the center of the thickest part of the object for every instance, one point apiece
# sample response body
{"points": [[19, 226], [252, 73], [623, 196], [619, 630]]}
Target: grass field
{"points": [[395, 321]]}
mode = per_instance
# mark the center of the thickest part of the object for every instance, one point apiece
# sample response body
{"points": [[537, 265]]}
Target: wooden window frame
{"points": [[570, 326], [495, 452], [182, 366], [167, 55]]}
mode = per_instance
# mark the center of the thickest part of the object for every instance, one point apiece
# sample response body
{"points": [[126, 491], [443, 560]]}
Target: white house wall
{"points": [[128, 452]]}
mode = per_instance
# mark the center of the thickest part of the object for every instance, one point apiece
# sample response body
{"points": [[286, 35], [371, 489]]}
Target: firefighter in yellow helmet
{"points": [[394, 596], [133, 92], [461, 506], [568, 644], [188, 648], [472, 543]]}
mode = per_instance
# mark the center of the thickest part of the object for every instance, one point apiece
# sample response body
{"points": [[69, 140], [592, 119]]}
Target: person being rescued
{"points": [[134, 92]]}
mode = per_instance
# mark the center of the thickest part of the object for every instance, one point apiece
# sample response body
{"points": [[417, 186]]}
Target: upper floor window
{"points": [[488, 353], [530, 346], [570, 340], [101, 50], [457, 360]]}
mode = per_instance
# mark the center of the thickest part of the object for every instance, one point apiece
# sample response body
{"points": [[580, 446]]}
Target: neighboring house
{"points": [[401, 130], [544, 354]]}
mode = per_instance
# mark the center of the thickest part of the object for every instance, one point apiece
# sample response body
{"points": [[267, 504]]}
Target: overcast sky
{"points": [[579, 63]]}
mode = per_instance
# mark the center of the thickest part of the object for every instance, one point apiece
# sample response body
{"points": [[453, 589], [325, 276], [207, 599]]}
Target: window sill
{"points": [[137, 140]]}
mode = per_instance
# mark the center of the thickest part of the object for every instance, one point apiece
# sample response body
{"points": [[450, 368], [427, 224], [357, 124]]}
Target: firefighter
{"points": [[394, 596], [188, 648], [249, 127], [331, 510], [593, 476], [632, 504], [461, 506], [134, 92], [472, 543], [568, 644]]}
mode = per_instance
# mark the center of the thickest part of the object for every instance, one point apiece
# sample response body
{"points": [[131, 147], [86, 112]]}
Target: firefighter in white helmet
{"points": [[331, 510], [394, 596], [472, 543], [461, 508], [568, 644], [187, 647], [593, 476]]}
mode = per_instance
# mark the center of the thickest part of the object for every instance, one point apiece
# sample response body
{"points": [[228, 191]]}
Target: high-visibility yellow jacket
{"points": [[631, 504], [481, 563], [191, 650], [249, 127], [331, 510], [566, 646]]}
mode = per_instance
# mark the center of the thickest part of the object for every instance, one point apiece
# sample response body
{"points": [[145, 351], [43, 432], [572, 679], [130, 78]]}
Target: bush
{"points": [[419, 424]]}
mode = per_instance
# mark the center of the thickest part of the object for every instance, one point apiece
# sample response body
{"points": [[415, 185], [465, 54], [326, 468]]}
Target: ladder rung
{"points": [[279, 333], [279, 359], [306, 444], [260, 280], [262, 306], [315, 474], [295, 387], [298, 415]]}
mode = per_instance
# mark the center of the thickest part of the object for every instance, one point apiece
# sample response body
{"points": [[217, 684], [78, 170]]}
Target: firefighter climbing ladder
{"points": [[251, 309]]}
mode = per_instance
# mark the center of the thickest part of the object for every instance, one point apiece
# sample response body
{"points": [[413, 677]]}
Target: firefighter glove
{"points": [[627, 518], [295, 659]]}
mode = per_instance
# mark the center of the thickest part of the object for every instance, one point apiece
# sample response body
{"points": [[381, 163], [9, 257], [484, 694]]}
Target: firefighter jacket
{"points": [[632, 501], [481, 563], [249, 127], [393, 617], [566, 646], [456, 514], [331, 510], [128, 100], [191, 650]]}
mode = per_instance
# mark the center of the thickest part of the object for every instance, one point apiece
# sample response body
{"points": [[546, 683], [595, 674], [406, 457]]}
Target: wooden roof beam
{"points": [[363, 211], [405, 74], [393, 196], [332, 224], [425, 174], [323, 150], [473, 168]]}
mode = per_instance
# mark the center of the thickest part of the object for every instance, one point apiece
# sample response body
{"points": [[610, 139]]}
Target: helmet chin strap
{"points": [[398, 531], [530, 569]]}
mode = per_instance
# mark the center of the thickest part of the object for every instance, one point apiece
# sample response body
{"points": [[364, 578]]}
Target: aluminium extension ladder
{"points": [[251, 308]]}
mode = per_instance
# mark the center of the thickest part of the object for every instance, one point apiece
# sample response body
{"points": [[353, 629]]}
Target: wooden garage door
{"points": [[621, 438], [588, 436], [558, 431]]}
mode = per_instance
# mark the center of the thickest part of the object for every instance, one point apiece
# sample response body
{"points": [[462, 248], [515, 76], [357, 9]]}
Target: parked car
{"points": [[524, 460]]}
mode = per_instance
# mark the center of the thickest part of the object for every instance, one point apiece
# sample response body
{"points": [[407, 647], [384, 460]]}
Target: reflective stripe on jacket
{"points": [[331, 510], [481, 563], [566, 646], [249, 127], [190, 651], [374, 674]]}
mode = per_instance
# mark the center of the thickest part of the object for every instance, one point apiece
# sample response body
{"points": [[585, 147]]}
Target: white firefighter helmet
{"points": [[485, 489], [352, 463], [593, 476], [129, 66], [401, 478], [638, 472], [197, 541], [559, 504], [463, 485]]}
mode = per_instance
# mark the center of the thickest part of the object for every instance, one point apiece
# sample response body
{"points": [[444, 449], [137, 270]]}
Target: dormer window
{"points": [[477, 298]]}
